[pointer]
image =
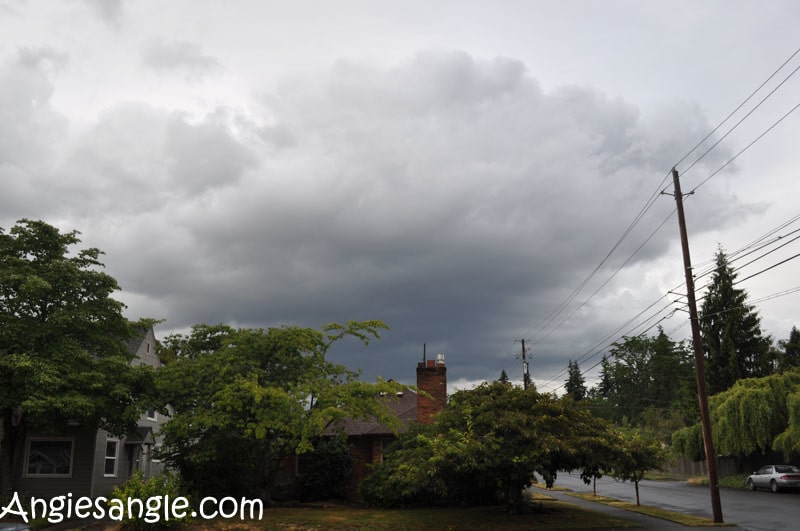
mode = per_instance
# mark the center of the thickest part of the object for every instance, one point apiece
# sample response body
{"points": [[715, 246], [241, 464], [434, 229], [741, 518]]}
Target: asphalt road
{"points": [[761, 510]]}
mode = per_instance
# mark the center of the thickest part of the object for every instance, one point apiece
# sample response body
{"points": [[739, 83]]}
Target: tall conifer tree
{"points": [[733, 342], [575, 385]]}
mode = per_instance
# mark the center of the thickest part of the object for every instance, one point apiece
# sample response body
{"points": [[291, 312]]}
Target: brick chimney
{"points": [[431, 378]]}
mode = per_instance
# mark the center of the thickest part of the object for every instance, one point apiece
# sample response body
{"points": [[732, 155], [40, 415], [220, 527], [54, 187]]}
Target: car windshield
{"points": [[785, 469]]}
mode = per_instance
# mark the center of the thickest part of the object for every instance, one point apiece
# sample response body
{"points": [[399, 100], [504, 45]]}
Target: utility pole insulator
{"points": [[699, 363]]}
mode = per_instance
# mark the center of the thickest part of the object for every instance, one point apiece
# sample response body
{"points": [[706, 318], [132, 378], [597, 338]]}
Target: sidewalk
{"points": [[642, 520]]}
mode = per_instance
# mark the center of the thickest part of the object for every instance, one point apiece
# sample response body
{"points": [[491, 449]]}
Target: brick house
{"points": [[368, 438]]}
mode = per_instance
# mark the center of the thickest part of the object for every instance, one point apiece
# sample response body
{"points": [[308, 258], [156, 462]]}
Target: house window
{"points": [[49, 457], [156, 454], [151, 413], [110, 466]]}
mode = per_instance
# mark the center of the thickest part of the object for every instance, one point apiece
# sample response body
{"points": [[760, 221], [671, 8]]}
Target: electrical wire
{"points": [[748, 146], [609, 279], [748, 98], [651, 201]]}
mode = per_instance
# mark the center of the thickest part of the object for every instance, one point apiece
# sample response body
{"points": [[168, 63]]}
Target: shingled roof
{"points": [[404, 406]]}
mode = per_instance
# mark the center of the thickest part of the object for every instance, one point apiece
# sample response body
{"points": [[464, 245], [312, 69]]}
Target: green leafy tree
{"points": [[754, 415], [636, 454], [733, 342], [649, 381], [575, 385], [487, 441], [62, 356], [247, 398], [597, 458]]}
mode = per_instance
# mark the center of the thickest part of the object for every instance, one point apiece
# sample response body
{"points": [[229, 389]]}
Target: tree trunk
{"points": [[269, 473], [594, 485], [636, 483], [514, 500], [10, 451]]}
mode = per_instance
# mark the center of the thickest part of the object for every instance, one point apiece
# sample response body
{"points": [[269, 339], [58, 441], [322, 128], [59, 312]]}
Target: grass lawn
{"points": [[680, 518], [542, 512], [735, 481]]}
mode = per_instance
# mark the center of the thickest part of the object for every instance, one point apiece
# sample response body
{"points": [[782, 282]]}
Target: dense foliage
{"points": [[62, 352], [754, 415], [247, 398], [486, 445], [647, 382], [789, 358], [326, 471], [140, 490]]}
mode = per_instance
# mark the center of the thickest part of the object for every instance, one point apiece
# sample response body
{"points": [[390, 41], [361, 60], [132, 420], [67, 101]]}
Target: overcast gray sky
{"points": [[455, 169]]}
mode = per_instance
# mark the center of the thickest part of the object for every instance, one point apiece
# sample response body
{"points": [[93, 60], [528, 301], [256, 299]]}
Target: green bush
{"points": [[326, 470], [166, 484]]}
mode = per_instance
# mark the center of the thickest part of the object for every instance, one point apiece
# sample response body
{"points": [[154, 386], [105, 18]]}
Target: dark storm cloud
{"points": [[183, 57], [451, 197]]}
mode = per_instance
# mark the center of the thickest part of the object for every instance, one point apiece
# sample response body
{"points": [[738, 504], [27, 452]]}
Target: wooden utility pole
{"points": [[699, 363], [526, 377]]}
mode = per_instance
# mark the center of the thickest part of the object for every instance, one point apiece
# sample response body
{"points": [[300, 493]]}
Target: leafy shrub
{"points": [[166, 484], [326, 470]]}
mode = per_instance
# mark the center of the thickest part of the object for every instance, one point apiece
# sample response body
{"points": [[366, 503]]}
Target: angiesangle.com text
{"points": [[152, 510]]}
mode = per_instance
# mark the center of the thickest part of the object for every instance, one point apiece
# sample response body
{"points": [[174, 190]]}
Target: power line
{"points": [[748, 146], [590, 353], [550, 317], [609, 279], [731, 114], [768, 268]]}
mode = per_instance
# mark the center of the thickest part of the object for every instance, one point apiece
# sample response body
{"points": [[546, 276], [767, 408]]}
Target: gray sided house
{"points": [[88, 462]]}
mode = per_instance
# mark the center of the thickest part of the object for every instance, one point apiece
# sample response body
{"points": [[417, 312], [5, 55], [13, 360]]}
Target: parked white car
{"points": [[775, 478]]}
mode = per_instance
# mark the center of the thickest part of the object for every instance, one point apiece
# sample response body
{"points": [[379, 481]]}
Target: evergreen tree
{"points": [[575, 384], [504, 377], [605, 386], [731, 330], [790, 357]]}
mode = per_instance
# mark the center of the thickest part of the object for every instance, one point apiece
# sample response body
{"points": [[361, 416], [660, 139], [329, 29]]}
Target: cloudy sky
{"points": [[457, 169]]}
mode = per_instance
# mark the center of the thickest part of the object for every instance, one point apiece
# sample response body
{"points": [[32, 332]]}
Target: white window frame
{"points": [[155, 448], [31, 440], [115, 457]]}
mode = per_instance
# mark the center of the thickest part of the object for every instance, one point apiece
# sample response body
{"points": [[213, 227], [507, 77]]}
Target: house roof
{"points": [[135, 341], [403, 405]]}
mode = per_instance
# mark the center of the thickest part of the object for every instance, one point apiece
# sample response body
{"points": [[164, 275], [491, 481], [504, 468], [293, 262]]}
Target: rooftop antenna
{"points": [[424, 354]]}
